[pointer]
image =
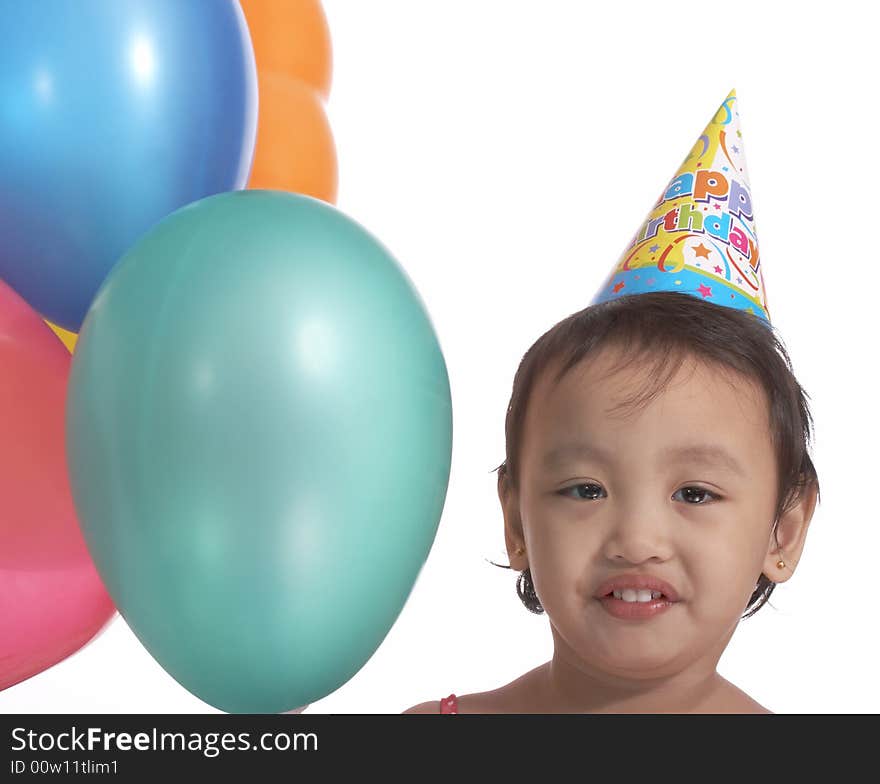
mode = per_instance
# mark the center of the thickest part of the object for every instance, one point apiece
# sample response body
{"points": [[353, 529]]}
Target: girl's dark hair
{"points": [[663, 329]]}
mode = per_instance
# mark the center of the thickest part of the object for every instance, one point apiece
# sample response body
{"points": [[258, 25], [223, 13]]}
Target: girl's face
{"points": [[682, 488]]}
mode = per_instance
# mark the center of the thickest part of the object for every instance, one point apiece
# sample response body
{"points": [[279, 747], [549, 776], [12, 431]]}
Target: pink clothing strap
{"points": [[449, 705]]}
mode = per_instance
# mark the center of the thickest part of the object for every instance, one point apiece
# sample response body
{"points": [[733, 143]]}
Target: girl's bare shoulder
{"points": [[432, 706], [510, 698], [480, 702], [732, 699]]}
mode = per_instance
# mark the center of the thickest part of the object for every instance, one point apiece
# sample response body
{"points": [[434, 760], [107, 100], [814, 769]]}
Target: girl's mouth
{"points": [[636, 610]]}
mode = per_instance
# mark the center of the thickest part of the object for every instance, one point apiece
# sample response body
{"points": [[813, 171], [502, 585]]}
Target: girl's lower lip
{"points": [[634, 611]]}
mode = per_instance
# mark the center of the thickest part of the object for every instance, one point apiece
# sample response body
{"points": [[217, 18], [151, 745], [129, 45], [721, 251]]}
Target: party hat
{"points": [[700, 238]]}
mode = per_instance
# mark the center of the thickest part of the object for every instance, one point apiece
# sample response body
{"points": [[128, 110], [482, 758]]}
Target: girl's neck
{"points": [[559, 687]]}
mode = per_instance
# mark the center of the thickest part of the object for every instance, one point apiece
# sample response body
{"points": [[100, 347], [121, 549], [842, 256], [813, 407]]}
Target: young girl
{"points": [[657, 483]]}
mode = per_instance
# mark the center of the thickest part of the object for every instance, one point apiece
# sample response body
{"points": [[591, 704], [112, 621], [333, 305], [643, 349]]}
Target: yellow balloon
{"points": [[67, 338]]}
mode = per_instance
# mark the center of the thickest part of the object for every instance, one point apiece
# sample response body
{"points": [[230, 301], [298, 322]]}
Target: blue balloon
{"points": [[113, 115]]}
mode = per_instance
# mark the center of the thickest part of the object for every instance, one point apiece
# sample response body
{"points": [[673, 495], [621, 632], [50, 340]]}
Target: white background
{"points": [[482, 142]]}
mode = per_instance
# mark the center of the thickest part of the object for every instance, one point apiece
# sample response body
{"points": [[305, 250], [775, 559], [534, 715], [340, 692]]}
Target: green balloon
{"points": [[259, 439]]}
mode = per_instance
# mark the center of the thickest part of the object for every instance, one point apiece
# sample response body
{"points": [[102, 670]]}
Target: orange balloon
{"points": [[292, 37], [295, 149]]}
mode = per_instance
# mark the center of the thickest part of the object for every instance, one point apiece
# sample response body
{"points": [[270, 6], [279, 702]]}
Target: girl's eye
{"points": [[592, 491], [695, 495]]}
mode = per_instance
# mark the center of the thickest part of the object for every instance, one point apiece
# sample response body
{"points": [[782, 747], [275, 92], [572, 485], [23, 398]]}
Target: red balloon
{"points": [[52, 601]]}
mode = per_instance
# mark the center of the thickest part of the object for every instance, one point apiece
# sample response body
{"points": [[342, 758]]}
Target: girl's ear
{"points": [[513, 530], [791, 535]]}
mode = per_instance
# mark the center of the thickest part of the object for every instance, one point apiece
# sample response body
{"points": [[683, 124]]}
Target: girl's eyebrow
{"points": [[579, 449], [712, 454]]}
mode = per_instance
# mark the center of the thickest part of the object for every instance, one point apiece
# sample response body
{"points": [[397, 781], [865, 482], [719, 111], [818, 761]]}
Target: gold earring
{"points": [[519, 551], [780, 564]]}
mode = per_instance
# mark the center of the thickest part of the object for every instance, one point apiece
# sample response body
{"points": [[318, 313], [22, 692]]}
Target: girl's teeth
{"points": [[641, 595]]}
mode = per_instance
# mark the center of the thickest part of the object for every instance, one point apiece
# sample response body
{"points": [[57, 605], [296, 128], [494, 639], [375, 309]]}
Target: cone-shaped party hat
{"points": [[700, 238]]}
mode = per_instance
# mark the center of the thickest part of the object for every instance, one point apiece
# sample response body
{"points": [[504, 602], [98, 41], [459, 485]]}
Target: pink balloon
{"points": [[52, 601]]}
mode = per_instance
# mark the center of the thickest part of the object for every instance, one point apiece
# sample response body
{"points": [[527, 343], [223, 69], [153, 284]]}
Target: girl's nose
{"points": [[637, 531]]}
